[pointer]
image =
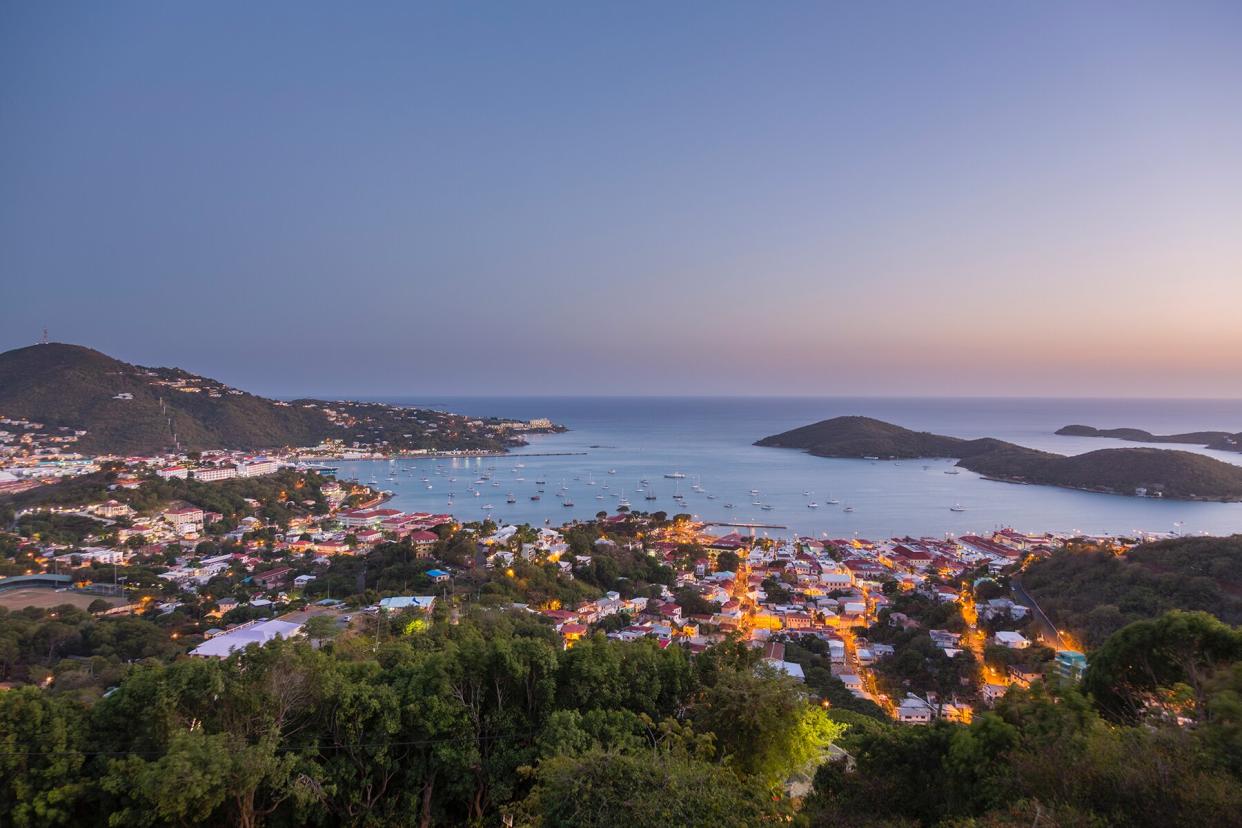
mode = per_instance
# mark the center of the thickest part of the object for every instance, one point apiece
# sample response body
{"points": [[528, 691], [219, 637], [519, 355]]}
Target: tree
{"points": [[42, 739], [764, 724], [1139, 668], [727, 561], [321, 627], [645, 790]]}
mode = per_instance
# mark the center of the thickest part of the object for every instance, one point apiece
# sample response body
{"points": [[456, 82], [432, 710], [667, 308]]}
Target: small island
{"points": [[1218, 440], [1181, 475]]}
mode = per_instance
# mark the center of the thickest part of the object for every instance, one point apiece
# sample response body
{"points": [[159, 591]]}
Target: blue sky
{"points": [[888, 198]]}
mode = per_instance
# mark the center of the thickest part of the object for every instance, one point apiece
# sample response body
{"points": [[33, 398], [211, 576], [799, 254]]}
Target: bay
{"points": [[615, 442]]}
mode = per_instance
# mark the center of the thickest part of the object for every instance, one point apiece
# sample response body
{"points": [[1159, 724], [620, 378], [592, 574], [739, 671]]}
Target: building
{"points": [[914, 710], [272, 578], [1071, 664], [215, 473], [221, 646], [258, 467], [1012, 640], [400, 602], [186, 519]]}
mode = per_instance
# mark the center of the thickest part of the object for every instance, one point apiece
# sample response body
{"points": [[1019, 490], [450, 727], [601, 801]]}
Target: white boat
{"points": [[832, 501], [612, 471], [957, 507], [488, 507], [567, 502], [848, 509], [952, 471], [812, 505], [510, 498], [728, 505], [623, 502], [766, 507], [675, 476]]}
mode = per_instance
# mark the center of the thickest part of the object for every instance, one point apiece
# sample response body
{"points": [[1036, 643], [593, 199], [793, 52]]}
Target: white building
{"points": [[1012, 640], [238, 639]]}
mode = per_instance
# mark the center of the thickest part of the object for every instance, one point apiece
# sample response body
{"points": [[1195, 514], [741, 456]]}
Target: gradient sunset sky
{"points": [[653, 198]]}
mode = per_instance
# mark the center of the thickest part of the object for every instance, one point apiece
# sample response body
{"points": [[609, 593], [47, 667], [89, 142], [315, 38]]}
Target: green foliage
{"points": [[600, 789], [1094, 593], [1138, 670]]}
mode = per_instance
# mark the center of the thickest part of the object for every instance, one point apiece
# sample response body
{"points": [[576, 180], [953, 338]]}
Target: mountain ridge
{"points": [[131, 409]]}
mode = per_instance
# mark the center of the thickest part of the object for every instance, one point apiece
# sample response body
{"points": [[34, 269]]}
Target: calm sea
{"points": [[616, 442]]}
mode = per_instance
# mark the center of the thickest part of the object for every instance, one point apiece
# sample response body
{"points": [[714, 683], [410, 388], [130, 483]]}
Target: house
{"points": [[1012, 640], [273, 577], [438, 576], [853, 683], [992, 693], [422, 602], [914, 710], [302, 580], [571, 632], [1071, 664]]}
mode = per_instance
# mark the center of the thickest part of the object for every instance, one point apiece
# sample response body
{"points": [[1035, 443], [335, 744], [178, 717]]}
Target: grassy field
{"points": [[15, 599]]}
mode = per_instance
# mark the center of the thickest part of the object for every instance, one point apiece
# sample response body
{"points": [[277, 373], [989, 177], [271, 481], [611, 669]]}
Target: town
{"points": [[225, 549]]}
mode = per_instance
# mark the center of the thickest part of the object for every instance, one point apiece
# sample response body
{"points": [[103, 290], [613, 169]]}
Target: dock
{"points": [[746, 525]]}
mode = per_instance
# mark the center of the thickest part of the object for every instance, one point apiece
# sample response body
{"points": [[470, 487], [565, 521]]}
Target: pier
{"points": [[746, 525]]}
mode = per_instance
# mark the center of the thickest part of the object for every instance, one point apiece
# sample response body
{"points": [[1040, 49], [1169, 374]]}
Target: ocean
{"points": [[616, 442]]}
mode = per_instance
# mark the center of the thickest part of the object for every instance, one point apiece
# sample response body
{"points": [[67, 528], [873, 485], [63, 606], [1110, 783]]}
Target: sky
{"points": [[631, 198]]}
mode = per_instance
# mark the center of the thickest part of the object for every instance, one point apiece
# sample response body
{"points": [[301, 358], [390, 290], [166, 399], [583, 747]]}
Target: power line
{"points": [[307, 748]]}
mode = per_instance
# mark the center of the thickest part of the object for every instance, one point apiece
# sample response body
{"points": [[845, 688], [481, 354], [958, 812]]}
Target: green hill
{"points": [[1093, 593], [1174, 474], [130, 409]]}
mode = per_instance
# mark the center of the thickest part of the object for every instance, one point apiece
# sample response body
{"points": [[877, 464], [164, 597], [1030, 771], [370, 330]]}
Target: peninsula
{"points": [[77, 399], [1219, 440], [1152, 472]]}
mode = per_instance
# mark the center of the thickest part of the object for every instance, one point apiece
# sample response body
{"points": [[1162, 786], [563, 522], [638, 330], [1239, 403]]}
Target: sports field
{"points": [[43, 597]]}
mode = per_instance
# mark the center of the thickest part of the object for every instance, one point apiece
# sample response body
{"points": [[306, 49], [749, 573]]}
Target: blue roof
{"points": [[436, 573]]}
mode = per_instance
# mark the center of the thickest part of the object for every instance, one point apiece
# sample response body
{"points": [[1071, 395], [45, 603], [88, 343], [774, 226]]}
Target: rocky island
{"points": [[1138, 471]]}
